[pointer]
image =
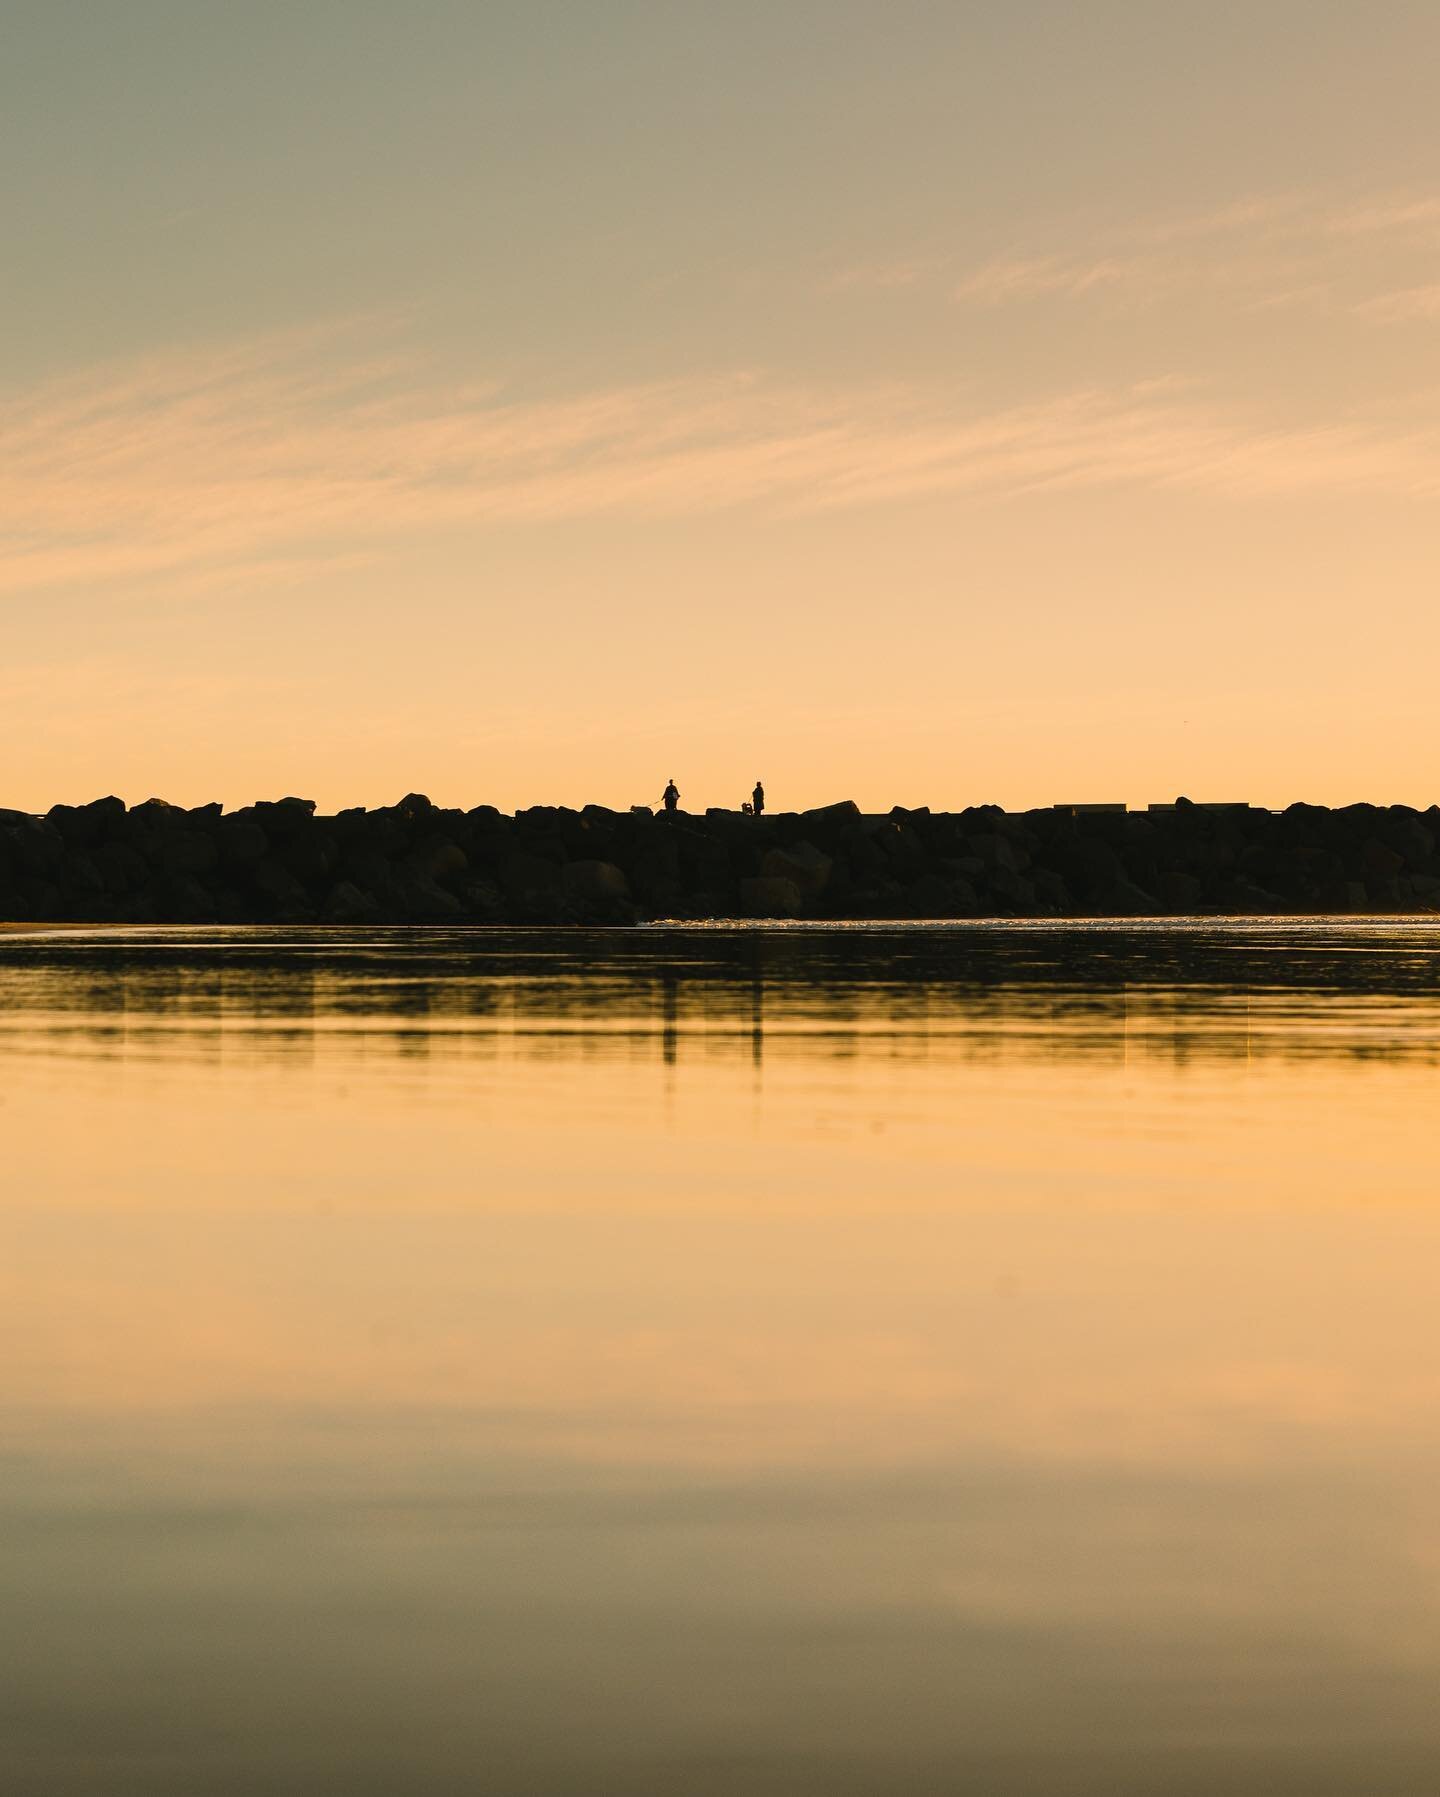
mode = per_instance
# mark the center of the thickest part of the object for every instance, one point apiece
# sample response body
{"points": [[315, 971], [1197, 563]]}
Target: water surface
{"points": [[905, 1359]]}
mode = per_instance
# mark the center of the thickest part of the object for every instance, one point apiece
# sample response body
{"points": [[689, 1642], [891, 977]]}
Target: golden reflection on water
{"points": [[718, 1361]]}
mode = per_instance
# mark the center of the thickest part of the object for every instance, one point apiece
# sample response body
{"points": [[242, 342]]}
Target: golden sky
{"points": [[923, 403]]}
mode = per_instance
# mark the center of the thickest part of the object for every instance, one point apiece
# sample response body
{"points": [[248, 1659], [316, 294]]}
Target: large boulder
{"points": [[157, 814], [98, 821], [181, 898], [769, 896], [1402, 829], [419, 900], [901, 843], [997, 853], [1013, 890], [312, 856], [437, 858], [182, 852], [278, 886], [284, 818], [347, 903], [242, 838], [122, 869], [1123, 898], [34, 847], [1181, 892], [80, 876], [595, 882], [525, 876], [846, 811], [934, 896], [482, 902], [806, 867], [1379, 860], [485, 820]]}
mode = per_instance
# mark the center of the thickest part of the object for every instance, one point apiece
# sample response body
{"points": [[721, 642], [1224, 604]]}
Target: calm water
{"points": [[952, 1359]]}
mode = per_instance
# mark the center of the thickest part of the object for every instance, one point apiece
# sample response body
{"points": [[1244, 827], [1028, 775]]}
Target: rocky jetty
{"points": [[414, 862]]}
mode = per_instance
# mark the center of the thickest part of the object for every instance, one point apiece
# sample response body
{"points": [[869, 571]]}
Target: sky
{"points": [[918, 403]]}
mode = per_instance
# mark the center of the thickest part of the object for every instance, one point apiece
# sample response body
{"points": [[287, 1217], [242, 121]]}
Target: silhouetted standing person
{"points": [[671, 796], [757, 798]]}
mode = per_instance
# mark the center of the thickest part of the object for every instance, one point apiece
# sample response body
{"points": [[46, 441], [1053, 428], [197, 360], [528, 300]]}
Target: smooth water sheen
{"points": [[861, 1360]]}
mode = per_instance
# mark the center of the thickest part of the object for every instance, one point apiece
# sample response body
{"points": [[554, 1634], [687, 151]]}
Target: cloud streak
{"points": [[269, 458], [1032, 277], [1409, 304], [1258, 254]]}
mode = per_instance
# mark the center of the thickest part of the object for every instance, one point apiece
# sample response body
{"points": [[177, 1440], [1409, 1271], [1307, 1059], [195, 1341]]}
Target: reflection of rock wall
{"points": [[415, 863]]}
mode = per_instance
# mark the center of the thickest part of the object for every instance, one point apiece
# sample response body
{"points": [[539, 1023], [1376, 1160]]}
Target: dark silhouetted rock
{"points": [[274, 882], [837, 816], [595, 882], [419, 900], [311, 855], [439, 859], [242, 840], [769, 897], [36, 847], [805, 866], [1380, 861], [122, 870], [284, 818], [186, 851], [153, 813], [526, 876], [348, 904]]}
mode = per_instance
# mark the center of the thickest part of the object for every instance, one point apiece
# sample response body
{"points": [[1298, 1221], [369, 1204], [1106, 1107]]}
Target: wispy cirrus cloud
{"points": [[268, 458], [1263, 253], [1029, 277], [1408, 304], [1403, 215], [885, 275]]}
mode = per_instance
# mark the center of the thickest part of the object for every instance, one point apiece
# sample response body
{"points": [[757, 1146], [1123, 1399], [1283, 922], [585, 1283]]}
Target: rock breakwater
{"points": [[415, 862]]}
